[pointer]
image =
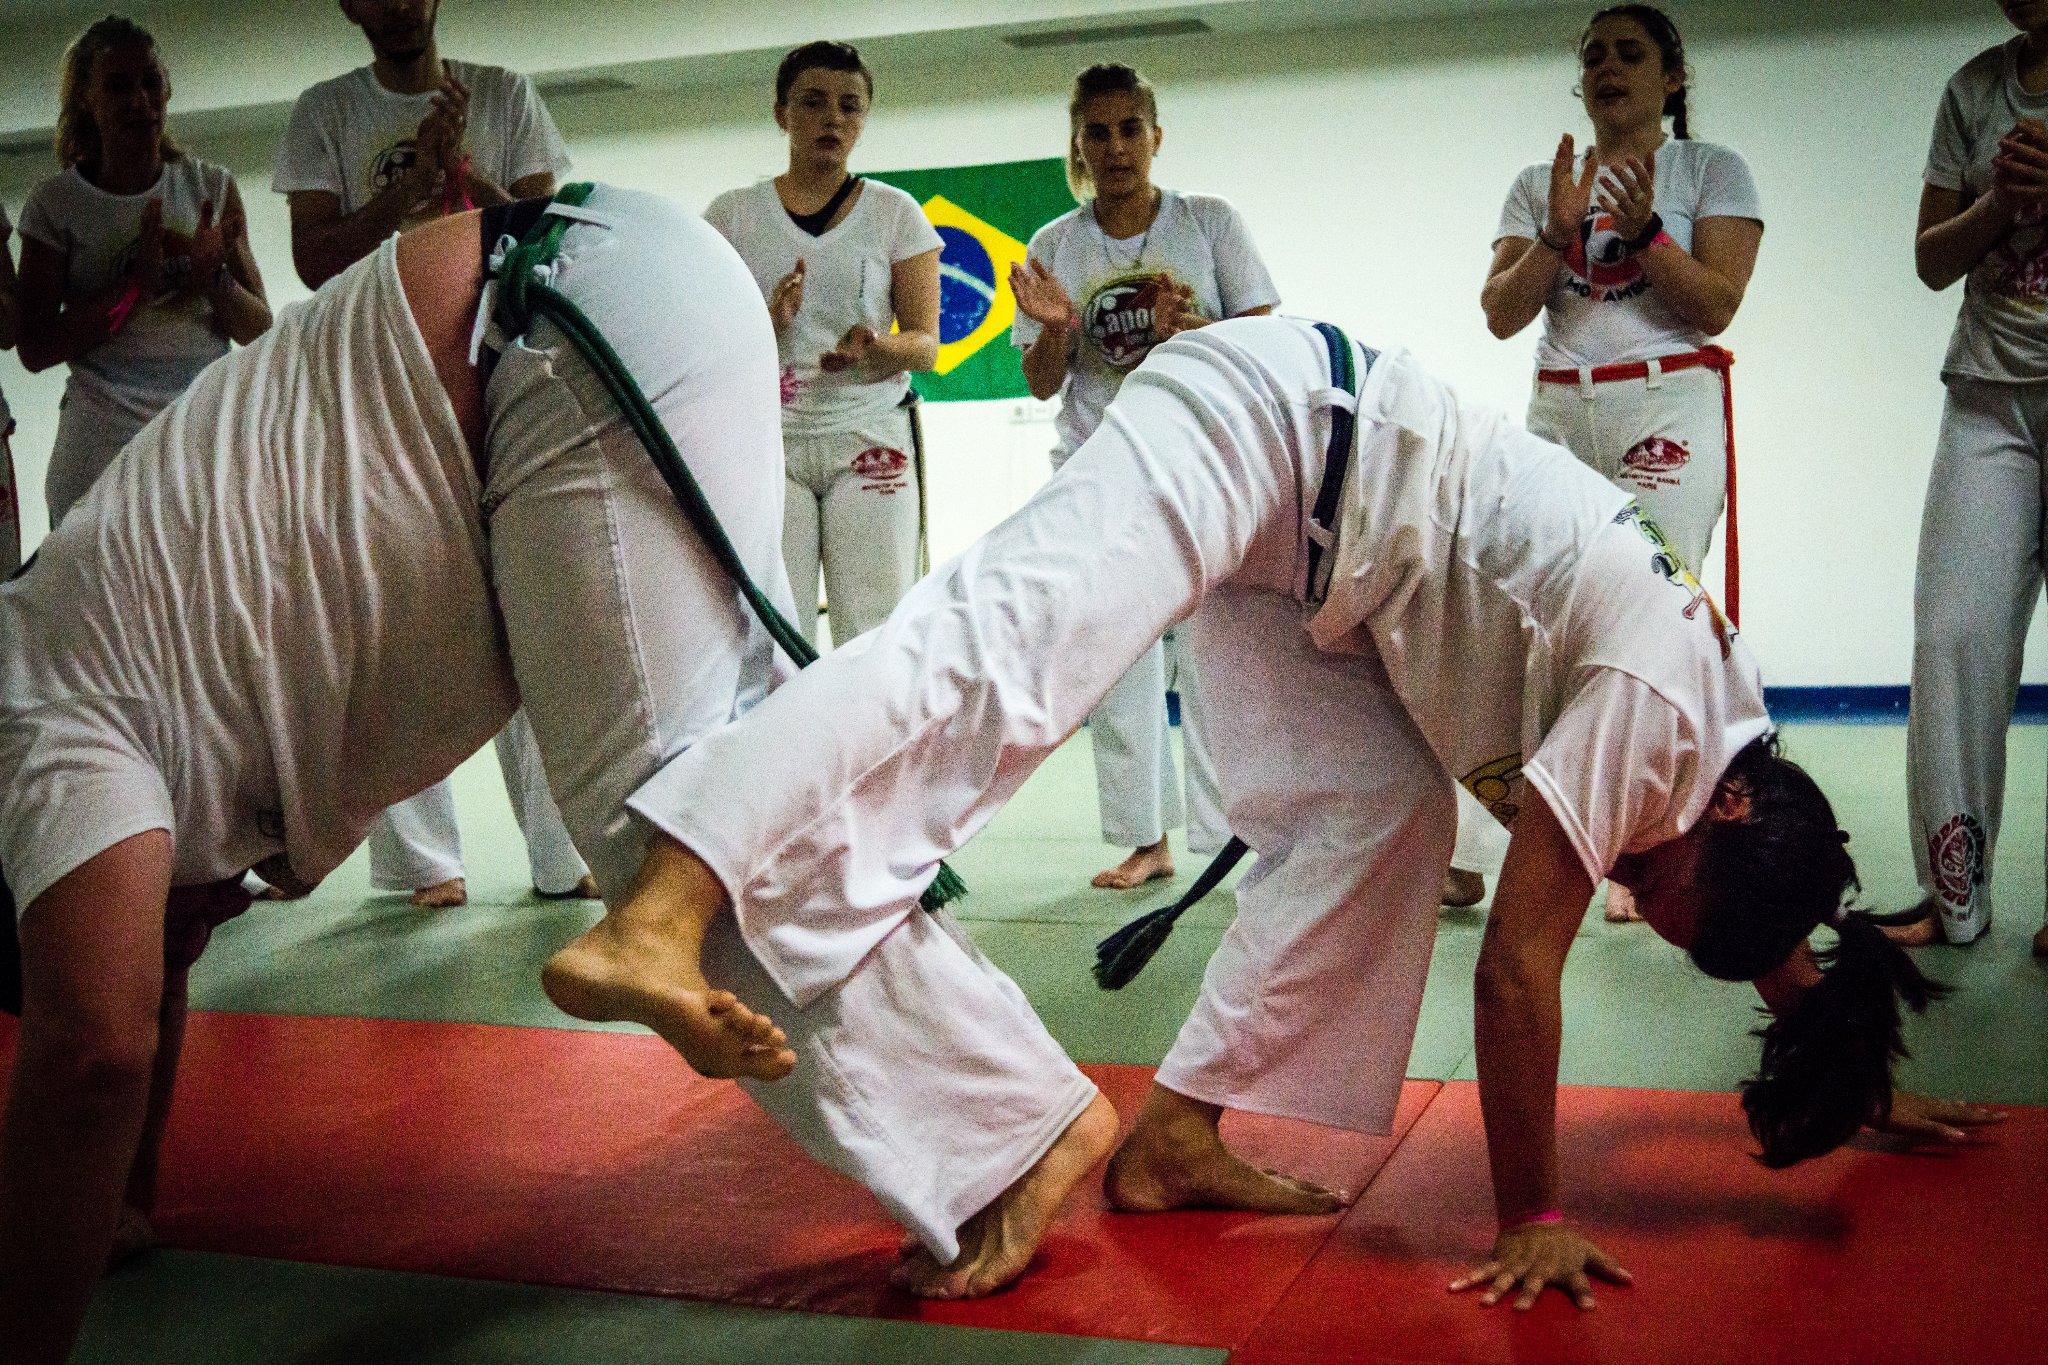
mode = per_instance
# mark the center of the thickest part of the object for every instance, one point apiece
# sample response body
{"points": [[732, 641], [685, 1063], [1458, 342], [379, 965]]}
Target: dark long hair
{"points": [[1670, 47], [1766, 882], [823, 54]]}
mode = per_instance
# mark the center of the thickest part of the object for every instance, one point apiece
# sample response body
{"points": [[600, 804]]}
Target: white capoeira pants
{"points": [[1663, 439], [850, 504], [1978, 578], [1137, 784], [90, 433], [417, 843], [1197, 483]]}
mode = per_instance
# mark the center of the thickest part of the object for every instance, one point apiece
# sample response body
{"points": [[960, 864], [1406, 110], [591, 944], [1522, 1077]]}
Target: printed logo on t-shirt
{"points": [[790, 385], [1599, 264], [2018, 267], [177, 270], [388, 165], [883, 469], [1666, 564], [1497, 786], [1955, 855], [1119, 318]]}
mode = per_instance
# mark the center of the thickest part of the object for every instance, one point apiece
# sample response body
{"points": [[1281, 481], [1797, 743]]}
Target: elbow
{"points": [[1501, 327], [1501, 319], [312, 267], [1716, 321], [37, 354], [1932, 275]]}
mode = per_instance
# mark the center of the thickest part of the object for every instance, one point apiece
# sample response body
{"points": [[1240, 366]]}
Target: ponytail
{"points": [[1827, 1062], [1674, 109]]}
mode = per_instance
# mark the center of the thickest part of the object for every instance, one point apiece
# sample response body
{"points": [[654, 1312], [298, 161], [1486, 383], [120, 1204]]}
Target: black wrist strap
{"points": [[1647, 235]]}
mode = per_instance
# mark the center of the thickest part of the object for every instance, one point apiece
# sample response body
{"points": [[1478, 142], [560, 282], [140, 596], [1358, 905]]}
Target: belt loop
{"points": [[1586, 382], [1655, 374]]}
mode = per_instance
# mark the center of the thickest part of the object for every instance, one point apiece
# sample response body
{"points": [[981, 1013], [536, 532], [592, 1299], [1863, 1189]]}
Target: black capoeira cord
{"points": [[521, 297], [1120, 957]]}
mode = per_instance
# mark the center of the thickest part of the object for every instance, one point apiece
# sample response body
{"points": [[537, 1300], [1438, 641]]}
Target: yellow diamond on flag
{"points": [[975, 305]]}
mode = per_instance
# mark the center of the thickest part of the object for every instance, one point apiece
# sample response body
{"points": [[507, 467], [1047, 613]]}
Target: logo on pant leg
{"points": [[1494, 786], [1956, 857], [883, 469], [1656, 455]]}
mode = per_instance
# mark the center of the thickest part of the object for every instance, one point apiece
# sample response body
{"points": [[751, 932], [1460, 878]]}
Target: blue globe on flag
{"points": [[967, 284]]}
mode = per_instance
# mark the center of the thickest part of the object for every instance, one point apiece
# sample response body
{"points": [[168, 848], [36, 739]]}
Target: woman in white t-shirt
{"points": [[1635, 254], [850, 269], [1984, 219], [10, 501], [1101, 286], [135, 263]]}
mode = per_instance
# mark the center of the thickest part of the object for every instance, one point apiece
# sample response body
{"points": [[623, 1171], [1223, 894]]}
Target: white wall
{"points": [[1371, 165]]}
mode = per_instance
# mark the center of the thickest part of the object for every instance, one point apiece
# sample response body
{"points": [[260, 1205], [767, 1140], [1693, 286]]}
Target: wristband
{"points": [[1544, 238], [455, 193], [1652, 233], [1527, 1219], [118, 311]]}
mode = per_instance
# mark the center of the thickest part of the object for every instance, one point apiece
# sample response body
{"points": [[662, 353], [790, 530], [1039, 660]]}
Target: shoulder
{"points": [[334, 91], [54, 193], [1692, 151], [1048, 238], [890, 198], [481, 77], [1982, 74], [1206, 209], [741, 202]]}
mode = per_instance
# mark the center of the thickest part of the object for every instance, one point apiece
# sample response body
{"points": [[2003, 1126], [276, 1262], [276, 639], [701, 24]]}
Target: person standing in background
{"points": [[135, 265], [850, 270], [10, 498], [1100, 287], [1635, 254], [1983, 219], [411, 137]]}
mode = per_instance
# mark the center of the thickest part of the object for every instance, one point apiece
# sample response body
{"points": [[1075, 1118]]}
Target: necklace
{"points": [[1109, 243]]}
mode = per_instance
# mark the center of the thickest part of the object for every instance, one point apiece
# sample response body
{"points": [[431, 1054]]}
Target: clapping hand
{"points": [[786, 299], [852, 349], [1040, 296], [1629, 196]]}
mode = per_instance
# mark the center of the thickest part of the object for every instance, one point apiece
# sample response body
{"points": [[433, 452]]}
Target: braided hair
{"points": [[1765, 884], [1670, 47]]}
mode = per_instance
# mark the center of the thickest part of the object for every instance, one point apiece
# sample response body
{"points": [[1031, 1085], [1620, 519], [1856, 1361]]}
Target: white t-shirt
{"points": [[1536, 627], [349, 135], [1602, 310], [847, 279], [1197, 240], [167, 340], [182, 657], [2002, 329]]}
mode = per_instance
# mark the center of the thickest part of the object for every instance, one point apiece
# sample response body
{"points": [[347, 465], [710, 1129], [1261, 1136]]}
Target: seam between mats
{"points": [[1288, 1288]]}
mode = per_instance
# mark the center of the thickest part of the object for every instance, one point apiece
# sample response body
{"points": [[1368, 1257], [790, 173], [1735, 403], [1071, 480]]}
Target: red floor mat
{"points": [[1865, 1255], [599, 1161]]}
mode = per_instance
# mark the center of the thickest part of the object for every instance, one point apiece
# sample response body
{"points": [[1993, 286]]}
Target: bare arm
{"points": [[1704, 287], [93, 972], [326, 241], [52, 331], [1517, 284], [914, 345], [1955, 233], [1518, 1018], [1042, 298], [241, 312], [10, 298]]}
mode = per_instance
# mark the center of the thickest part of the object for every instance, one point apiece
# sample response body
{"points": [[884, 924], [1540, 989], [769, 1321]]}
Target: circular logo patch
{"points": [[392, 162], [1956, 856], [1656, 455], [1118, 319], [967, 284]]}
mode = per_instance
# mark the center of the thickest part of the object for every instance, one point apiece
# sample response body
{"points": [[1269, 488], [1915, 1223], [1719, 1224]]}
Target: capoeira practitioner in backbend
{"points": [[234, 653], [1489, 608]]}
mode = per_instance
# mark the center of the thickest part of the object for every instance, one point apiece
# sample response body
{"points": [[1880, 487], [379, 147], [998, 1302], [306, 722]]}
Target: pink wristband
{"points": [[455, 194], [118, 311], [1524, 1220]]}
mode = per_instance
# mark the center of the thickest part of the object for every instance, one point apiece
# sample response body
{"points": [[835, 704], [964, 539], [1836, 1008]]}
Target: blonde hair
{"points": [[1104, 78], [78, 137]]}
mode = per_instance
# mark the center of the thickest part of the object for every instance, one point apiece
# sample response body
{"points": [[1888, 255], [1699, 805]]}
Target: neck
{"points": [[1127, 215], [1619, 144], [2033, 62], [414, 77], [811, 179], [130, 169]]}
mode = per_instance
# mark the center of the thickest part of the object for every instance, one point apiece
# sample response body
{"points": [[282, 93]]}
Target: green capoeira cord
{"points": [[521, 297]]}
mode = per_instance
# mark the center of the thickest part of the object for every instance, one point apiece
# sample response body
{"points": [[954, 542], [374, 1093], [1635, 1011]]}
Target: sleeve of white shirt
{"points": [[308, 158], [1242, 282], [1727, 189], [912, 234], [1619, 769], [1025, 330], [1948, 153], [536, 144], [1523, 212], [722, 213], [38, 219]]}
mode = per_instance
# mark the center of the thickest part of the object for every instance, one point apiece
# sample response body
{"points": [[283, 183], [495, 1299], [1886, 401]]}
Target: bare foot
{"points": [[584, 890], [1462, 888], [1175, 1159], [1920, 927], [997, 1244], [442, 895], [640, 963], [1148, 864], [1621, 905]]}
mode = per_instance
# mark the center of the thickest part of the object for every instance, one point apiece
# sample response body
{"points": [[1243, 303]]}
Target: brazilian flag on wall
{"points": [[985, 215]]}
